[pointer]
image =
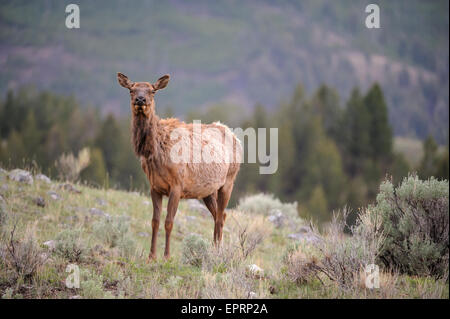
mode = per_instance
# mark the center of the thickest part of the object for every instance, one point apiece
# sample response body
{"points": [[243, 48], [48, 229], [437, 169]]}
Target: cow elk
{"points": [[152, 138]]}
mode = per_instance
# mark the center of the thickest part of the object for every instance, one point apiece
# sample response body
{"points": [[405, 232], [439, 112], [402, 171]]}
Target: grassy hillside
{"points": [[106, 233], [234, 52]]}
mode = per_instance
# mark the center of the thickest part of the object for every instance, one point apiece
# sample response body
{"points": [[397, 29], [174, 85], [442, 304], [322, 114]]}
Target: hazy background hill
{"points": [[235, 52]]}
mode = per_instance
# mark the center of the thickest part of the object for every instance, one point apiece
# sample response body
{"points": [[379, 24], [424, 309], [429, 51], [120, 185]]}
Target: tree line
{"points": [[330, 155]]}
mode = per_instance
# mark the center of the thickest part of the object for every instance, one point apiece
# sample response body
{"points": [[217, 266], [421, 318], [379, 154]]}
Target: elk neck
{"points": [[145, 134]]}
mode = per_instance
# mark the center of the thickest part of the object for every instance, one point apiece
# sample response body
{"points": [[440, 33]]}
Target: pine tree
{"points": [[355, 137], [325, 103], [380, 132]]}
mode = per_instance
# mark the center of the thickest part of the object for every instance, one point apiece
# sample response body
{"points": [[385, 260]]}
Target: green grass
{"points": [[106, 272]]}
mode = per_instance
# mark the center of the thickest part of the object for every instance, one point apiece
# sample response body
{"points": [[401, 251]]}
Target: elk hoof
{"points": [[151, 258]]}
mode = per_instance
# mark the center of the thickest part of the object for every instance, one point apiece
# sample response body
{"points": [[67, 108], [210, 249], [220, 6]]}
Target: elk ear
{"points": [[124, 81], [162, 82]]}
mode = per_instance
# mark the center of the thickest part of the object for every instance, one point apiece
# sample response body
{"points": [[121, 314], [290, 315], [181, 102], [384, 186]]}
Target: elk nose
{"points": [[140, 100]]}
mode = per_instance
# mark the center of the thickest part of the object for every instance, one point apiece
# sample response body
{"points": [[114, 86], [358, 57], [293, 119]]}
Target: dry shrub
{"points": [[338, 256], [24, 256], [301, 266], [70, 167], [244, 235], [247, 232], [233, 284], [345, 256]]}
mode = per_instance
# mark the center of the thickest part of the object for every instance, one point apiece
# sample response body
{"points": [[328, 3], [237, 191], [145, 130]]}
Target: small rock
{"points": [[50, 244], [195, 205], [277, 218], [191, 218], [98, 212], [3, 171], [5, 187], [43, 178], [307, 237], [70, 188], [304, 229], [255, 271], [44, 257], [101, 202], [252, 295], [53, 195], [146, 202], [75, 297], [100, 250], [40, 201], [73, 218], [143, 234], [20, 175]]}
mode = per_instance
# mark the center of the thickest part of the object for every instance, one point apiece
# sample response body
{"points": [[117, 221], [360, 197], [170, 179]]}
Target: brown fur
{"points": [[212, 182]]}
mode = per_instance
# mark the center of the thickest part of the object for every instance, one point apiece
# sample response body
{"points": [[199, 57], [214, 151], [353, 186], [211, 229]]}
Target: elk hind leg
{"points": [[223, 198], [211, 203]]}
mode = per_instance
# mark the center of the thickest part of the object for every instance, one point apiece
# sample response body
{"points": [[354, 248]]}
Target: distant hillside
{"points": [[236, 52]]}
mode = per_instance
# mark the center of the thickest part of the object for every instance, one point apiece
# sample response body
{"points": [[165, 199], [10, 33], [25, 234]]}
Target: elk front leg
{"points": [[172, 206], [157, 203]]}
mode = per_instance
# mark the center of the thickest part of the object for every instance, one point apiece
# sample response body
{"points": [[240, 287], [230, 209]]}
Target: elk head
{"points": [[142, 93]]}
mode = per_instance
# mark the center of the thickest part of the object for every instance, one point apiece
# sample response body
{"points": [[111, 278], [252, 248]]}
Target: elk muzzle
{"points": [[140, 100]]}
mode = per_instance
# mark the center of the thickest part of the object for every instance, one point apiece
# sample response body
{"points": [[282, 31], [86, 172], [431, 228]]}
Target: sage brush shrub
{"points": [[194, 250], [70, 245], [415, 220], [115, 232], [112, 230], [265, 204], [91, 285]]}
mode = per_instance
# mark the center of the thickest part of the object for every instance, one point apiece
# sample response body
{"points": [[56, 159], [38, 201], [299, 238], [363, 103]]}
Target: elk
{"points": [[152, 140]]}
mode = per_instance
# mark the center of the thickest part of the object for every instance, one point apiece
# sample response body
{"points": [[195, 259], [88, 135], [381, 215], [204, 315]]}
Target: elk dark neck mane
{"points": [[145, 135]]}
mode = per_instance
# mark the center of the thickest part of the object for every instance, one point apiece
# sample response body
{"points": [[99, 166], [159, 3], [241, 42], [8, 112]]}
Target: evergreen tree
{"points": [[317, 207], [380, 132], [355, 136], [326, 104]]}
